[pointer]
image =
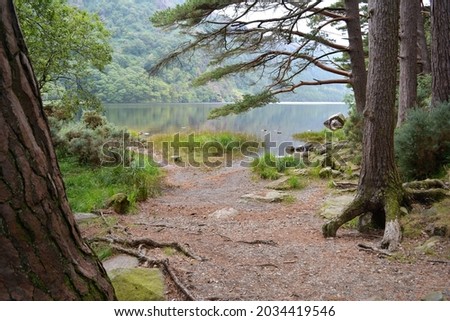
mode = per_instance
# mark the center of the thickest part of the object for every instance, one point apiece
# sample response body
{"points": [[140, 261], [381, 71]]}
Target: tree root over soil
{"points": [[388, 203], [126, 247]]}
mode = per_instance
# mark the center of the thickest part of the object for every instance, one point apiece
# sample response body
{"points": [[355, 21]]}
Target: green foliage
{"points": [[424, 90], [321, 137], [65, 44], [423, 143], [88, 188], [248, 102], [295, 182], [85, 140], [269, 166], [354, 123], [265, 167]]}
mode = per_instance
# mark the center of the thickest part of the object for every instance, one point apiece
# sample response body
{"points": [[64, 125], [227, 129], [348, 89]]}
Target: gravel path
{"points": [[271, 251]]}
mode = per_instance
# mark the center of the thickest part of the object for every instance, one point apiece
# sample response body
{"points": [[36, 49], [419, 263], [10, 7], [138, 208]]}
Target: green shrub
{"points": [[422, 143], [86, 139]]}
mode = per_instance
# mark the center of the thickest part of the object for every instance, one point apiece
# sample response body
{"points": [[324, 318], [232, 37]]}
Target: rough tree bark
{"points": [[379, 189], [358, 76], [409, 12], [440, 50], [422, 46], [43, 254]]}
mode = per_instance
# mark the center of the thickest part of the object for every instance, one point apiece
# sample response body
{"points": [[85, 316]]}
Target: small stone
{"points": [[224, 213], [403, 211], [434, 296], [84, 216], [119, 202]]}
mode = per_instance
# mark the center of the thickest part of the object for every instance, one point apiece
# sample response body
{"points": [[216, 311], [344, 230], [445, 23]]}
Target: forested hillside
{"points": [[138, 45]]}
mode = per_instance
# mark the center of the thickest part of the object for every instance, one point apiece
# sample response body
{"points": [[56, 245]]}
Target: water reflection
{"points": [[281, 120]]}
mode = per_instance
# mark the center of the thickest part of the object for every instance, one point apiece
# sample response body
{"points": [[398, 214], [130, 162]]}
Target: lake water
{"points": [[281, 120]]}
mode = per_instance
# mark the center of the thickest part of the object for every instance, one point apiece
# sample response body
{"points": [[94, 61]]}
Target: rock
{"points": [[84, 216], [335, 173], [429, 244], [119, 202], [403, 211], [224, 213], [326, 172], [434, 296], [138, 284], [301, 172], [335, 206], [176, 158], [121, 261], [436, 230], [335, 121], [290, 149], [269, 197], [280, 184]]}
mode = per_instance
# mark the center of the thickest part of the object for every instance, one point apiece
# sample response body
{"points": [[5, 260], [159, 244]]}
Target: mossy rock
{"points": [[139, 284], [119, 202]]}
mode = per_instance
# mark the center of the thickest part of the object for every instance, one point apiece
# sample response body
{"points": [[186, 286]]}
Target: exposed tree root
{"points": [[145, 242], [162, 264], [389, 201]]}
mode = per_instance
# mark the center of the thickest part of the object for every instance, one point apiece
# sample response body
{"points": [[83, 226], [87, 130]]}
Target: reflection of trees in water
{"points": [[287, 118]]}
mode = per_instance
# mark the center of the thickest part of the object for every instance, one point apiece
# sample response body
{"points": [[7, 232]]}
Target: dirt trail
{"points": [[270, 251]]}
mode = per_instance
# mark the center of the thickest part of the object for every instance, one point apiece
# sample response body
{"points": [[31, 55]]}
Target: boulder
{"points": [[138, 284], [119, 202], [335, 121]]}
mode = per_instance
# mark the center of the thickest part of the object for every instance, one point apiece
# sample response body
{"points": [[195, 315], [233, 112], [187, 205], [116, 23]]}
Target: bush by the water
{"points": [[422, 143], [85, 139]]}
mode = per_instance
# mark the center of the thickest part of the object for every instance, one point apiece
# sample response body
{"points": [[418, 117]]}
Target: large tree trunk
{"points": [[356, 52], [379, 188], [43, 256], [409, 12], [440, 50], [422, 46]]}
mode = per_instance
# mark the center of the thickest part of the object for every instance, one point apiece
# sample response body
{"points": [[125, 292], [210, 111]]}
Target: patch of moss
{"points": [[139, 284]]}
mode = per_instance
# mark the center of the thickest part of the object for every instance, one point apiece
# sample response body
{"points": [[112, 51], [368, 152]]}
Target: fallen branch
{"points": [[147, 242], [163, 264], [368, 248], [439, 261], [268, 242]]}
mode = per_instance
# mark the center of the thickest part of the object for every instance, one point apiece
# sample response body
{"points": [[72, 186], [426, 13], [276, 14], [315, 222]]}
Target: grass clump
{"points": [[321, 137], [268, 166], [89, 187]]}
